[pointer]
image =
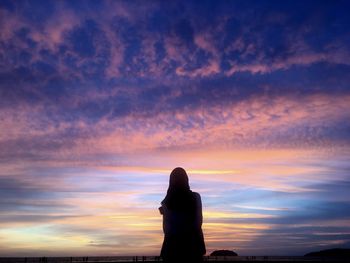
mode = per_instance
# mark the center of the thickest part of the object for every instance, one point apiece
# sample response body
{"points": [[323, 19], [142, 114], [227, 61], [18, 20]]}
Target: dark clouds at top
{"points": [[54, 50], [133, 63]]}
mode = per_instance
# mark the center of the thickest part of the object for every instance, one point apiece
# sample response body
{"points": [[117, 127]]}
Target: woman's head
{"points": [[179, 179], [179, 196]]}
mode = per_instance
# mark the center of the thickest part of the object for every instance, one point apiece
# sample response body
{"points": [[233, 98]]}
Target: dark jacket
{"points": [[182, 227]]}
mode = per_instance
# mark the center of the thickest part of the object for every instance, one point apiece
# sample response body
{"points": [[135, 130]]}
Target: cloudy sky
{"points": [[100, 100]]}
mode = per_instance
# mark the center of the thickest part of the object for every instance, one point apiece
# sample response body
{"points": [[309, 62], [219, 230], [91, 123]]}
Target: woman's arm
{"points": [[199, 215]]}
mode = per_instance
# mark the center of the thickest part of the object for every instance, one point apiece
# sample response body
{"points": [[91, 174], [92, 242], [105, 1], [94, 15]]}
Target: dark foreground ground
{"points": [[260, 259]]}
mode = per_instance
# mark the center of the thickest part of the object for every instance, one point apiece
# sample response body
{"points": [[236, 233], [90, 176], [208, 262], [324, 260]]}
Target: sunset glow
{"points": [[100, 100]]}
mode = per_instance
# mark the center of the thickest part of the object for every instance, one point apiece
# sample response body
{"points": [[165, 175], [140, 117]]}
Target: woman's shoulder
{"points": [[196, 195]]}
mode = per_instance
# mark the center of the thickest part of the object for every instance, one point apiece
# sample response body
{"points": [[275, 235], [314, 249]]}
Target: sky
{"points": [[100, 100]]}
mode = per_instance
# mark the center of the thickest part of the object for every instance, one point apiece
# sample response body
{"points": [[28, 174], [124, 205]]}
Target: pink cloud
{"points": [[211, 68], [254, 122], [9, 24], [251, 123], [54, 30], [205, 41]]}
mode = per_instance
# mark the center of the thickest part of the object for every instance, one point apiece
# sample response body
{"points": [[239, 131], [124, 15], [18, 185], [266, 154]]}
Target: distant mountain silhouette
{"points": [[227, 253], [335, 252]]}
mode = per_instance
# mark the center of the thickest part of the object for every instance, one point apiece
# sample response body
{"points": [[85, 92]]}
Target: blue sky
{"points": [[100, 100]]}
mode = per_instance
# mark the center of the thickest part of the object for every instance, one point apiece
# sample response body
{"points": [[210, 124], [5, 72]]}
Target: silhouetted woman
{"points": [[182, 221]]}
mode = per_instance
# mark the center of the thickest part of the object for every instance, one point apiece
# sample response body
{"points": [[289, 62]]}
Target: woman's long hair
{"points": [[179, 196]]}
